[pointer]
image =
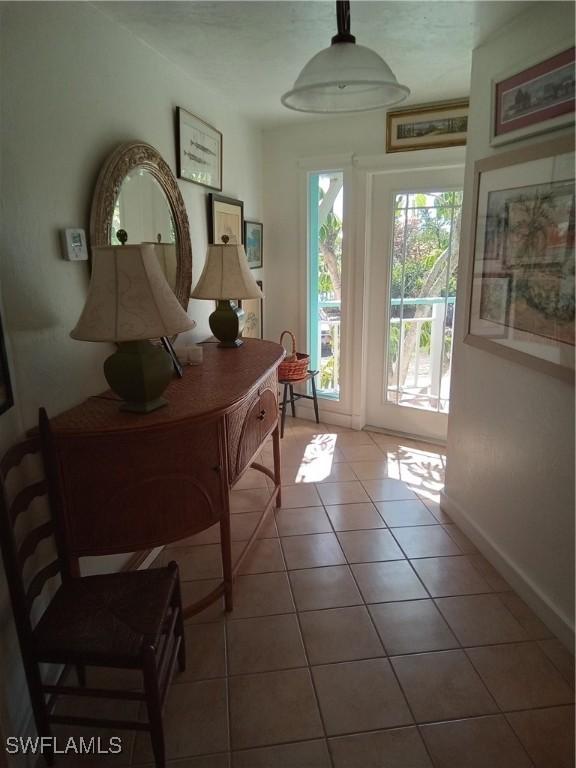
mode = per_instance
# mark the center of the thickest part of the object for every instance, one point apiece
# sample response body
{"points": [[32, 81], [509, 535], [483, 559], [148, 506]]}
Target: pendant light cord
{"points": [[343, 20]]}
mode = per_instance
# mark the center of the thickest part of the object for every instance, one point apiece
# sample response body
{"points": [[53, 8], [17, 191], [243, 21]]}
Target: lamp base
{"points": [[227, 324], [139, 372]]}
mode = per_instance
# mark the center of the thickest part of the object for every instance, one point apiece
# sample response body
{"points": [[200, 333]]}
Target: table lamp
{"points": [[226, 275], [130, 302]]}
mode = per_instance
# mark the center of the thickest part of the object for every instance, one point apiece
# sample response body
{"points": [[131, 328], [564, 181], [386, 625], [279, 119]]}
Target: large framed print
{"points": [[225, 217], [521, 282], [199, 152], [430, 126], [535, 100]]}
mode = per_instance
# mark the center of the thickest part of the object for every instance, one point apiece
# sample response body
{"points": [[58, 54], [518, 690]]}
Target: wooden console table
{"points": [[126, 482]]}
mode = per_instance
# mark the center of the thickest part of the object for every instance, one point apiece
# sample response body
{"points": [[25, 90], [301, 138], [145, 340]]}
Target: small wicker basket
{"points": [[295, 365]]}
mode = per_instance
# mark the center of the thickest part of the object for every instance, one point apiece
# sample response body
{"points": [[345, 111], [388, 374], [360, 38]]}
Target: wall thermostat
{"points": [[74, 245]]}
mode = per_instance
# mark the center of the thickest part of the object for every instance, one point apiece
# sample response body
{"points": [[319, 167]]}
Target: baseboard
{"points": [[326, 417], [554, 618]]}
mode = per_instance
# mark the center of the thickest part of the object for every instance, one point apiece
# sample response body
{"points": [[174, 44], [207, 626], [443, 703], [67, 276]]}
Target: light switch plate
{"points": [[74, 247]]}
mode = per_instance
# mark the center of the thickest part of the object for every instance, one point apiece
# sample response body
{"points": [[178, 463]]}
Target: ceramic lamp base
{"points": [[227, 324], [139, 372]]}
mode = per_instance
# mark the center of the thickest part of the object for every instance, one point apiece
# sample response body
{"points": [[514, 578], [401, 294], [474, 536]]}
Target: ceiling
{"points": [[251, 52]]}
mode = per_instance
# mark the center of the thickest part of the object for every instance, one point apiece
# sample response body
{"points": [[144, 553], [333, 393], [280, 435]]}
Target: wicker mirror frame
{"points": [[124, 159]]}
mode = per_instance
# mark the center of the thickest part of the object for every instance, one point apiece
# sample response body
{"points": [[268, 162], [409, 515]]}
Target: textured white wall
{"points": [[73, 86], [510, 434]]}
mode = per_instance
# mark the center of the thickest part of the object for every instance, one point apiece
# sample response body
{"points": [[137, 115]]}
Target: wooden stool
{"points": [[289, 385]]}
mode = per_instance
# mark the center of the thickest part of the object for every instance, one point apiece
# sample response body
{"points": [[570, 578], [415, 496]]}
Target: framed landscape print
{"points": [[199, 152], [430, 126], [537, 99], [253, 237], [254, 324], [521, 287], [225, 217], [6, 397]]}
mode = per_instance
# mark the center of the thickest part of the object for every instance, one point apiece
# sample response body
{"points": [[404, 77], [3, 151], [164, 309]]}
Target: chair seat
{"points": [[106, 620]]}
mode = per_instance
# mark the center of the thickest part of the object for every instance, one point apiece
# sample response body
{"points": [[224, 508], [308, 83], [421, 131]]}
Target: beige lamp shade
{"points": [[168, 260], [129, 298], [226, 275]]}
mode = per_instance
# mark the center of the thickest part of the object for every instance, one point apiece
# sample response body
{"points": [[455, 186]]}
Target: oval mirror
{"points": [[137, 200]]}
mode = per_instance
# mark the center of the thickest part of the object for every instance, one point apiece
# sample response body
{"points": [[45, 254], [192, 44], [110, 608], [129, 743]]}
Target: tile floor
{"points": [[368, 632]]}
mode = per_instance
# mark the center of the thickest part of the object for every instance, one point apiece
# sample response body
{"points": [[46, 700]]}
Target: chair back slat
{"points": [[31, 541], [15, 455], [25, 497], [37, 584]]}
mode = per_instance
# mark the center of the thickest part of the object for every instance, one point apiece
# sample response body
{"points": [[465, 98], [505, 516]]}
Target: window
{"points": [[325, 203], [422, 298]]}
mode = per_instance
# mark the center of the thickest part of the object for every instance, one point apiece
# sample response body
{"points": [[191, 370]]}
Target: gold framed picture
{"points": [[429, 126], [225, 217]]}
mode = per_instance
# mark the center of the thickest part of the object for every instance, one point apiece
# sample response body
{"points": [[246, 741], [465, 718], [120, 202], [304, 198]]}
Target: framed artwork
{"points": [[199, 150], [225, 217], [6, 395], [537, 99], [254, 309], [520, 301], [430, 126], [253, 238]]}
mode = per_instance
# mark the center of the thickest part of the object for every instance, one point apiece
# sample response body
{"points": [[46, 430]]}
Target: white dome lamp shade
{"points": [[345, 77]]}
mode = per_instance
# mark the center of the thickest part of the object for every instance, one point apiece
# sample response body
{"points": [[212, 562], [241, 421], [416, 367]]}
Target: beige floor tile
{"points": [[413, 626], [448, 576], [561, 657], [312, 551], [264, 644], [520, 676], [205, 653], [195, 722], [535, 627], [193, 592], [426, 541], [466, 546], [251, 500], [273, 708], [388, 490], [262, 594], [490, 574], [351, 517], [303, 520], [405, 513], [252, 478], [369, 546], [477, 742], [331, 587], [359, 696], [209, 536], [300, 496], [392, 580], [370, 470], [203, 562], [263, 556], [242, 526], [435, 509], [356, 453], [442, 686], [354, 438], [397, 747], [342, 493], [322, 470], [207, 761], [547, 734], [339, 634], [304, 754], [480, 620]]}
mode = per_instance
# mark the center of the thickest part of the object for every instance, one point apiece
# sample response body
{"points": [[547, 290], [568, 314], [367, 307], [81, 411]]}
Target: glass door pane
{"points": [[422, 299]]}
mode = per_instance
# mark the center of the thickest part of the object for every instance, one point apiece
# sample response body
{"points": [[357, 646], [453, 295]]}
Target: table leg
{"points": [[226, 544], [284, 404], [315, 397], [293, 407], [277, 475]]}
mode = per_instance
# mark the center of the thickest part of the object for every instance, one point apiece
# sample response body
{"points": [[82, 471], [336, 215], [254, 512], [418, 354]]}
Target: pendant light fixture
{"points": [[345, 77]]}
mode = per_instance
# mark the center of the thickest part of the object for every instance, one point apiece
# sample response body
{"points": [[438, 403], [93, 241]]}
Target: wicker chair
{"points": [[129, 620]]}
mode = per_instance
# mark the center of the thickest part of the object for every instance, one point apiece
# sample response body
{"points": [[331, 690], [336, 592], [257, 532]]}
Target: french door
{"points": [[415, 236]]}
